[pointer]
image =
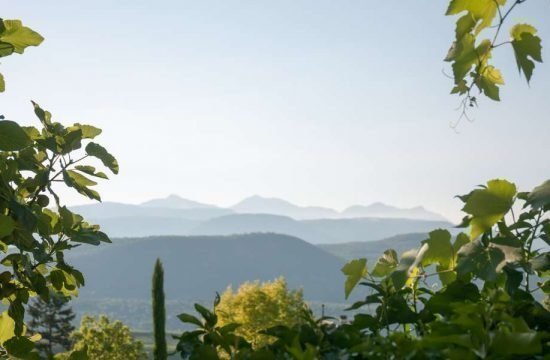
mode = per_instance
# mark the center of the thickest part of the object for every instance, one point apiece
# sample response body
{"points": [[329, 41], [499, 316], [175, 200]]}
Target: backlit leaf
{"points": [[354, 270]]}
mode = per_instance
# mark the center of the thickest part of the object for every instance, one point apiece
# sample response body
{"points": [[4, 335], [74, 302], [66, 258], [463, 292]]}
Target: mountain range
{"points": [[175, 206]]}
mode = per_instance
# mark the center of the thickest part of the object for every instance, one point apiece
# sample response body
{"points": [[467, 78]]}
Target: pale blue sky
{"points": [[319, 102]]}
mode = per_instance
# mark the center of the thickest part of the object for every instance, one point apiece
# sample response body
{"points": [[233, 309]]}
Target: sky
{"points": [[319, 102]]}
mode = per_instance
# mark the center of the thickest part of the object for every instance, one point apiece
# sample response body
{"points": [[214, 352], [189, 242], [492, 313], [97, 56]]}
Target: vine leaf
{"points": [[488, 205], [480, 13], [527, 47], [385, 264], [354, 270]]}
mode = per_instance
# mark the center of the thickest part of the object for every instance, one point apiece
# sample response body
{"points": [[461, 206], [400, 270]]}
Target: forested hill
{"points": [[196, 267]]}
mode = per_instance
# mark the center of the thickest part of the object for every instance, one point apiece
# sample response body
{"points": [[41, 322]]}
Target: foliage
{"points": [[471, 53], [51, 319], [14, 38], [34, 235], [103, 339], [475, 296], [159, 312], [257, 307]]}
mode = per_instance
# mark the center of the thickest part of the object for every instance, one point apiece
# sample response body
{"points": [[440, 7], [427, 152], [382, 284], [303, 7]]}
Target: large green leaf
{"points": [[527, 48], [12, 136], [19, 36], [488, 205], [439, 249], [354, 270], [101, 153]]}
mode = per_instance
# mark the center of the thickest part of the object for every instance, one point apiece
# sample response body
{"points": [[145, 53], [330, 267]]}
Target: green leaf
{"points": [[12, 136], [540, 196], [486, 262], [402, 272], [101, 153], [80, 183], [88, 131], [354, 270], [190, 319], [19, 36], [5, 48], [44, 116], [385, 264], [482, 12], [488, 205], [19, 346], [488, 80], [90, 170], [81, 354], [7, 225], [527, 48], [515, 343], [439, 249], [7, 327], [209, 317], [2, 83]]}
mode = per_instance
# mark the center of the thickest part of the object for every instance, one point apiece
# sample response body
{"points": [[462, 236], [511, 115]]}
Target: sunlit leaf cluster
{"points": [[478, 35]]}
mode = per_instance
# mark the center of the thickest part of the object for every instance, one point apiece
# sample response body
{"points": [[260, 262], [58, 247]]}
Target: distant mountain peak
{"points": [[269, 205], [379, 209], [175, 201]]}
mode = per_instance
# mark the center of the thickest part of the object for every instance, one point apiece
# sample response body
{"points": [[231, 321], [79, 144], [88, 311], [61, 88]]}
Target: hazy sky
{"points": [[319, 102]]}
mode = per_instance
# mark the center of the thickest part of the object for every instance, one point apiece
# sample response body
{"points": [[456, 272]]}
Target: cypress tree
{"points": [[159, 313], [53, 320]]}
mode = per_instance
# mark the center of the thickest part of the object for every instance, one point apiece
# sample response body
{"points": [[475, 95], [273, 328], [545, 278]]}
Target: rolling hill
{"points": [[196, 267]]}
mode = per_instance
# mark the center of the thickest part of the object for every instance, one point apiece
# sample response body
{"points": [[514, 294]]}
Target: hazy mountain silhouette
{"points": [[262, 205], [174, 206], [116, 210], [197, 267], [258, 223], [381, 210], [316, 231], [176, 202]]}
